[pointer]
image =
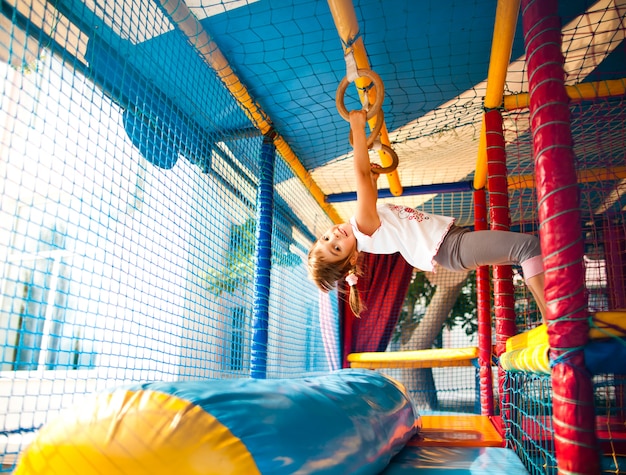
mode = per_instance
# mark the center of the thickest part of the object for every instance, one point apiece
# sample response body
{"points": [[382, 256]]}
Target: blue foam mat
{"points": [[455, 460]]}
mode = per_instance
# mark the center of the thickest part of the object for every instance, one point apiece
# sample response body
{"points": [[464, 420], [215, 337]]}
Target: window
{"points": [[37, 322], [237, 339]]}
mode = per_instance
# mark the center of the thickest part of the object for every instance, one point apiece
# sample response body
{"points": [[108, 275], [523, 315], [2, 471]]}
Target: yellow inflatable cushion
{"points": [[604, 325], [534, 359]]}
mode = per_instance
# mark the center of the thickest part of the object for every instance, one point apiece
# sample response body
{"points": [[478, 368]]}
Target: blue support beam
{"points": [[263, 260], [407, 191]]}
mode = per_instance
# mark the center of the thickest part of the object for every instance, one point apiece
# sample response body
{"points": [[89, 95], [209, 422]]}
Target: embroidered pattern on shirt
{"points": [[404, 212]]}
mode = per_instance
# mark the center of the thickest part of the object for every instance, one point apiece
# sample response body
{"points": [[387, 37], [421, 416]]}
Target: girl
{"points": [[422, 239]]}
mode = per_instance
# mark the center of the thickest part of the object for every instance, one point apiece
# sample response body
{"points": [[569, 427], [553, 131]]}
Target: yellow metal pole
{"points": [[348, 29], [577, 92], [200, 39], [501, 47]]}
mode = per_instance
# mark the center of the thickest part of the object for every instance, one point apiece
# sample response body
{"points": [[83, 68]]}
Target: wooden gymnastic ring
{"points": [[380, 94], [394, 161], [380, 118]]}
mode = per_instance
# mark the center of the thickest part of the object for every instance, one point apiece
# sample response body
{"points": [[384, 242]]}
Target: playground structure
{"points": [[165, 167]]}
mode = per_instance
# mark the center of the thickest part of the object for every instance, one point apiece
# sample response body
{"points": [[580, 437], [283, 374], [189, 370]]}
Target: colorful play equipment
{"points": [[356, 59], [376, 82], [433, 358], [165, 166], [604, 353], [373, 111], [345, 422]]}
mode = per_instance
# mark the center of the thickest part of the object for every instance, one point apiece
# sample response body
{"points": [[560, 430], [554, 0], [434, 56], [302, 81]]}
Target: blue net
{"points": [[154, 228]]}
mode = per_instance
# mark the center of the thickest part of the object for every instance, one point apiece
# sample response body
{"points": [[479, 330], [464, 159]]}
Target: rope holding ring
{"points": [[394, 161], [380, 118], [380, 94]]}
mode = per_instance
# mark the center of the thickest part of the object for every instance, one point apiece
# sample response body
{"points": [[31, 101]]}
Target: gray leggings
{"points": [[463, 249]]}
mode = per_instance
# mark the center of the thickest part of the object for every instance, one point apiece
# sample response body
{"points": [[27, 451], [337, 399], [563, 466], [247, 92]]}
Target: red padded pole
{"points": [[561, 241], [484, 314], [497, 180]]}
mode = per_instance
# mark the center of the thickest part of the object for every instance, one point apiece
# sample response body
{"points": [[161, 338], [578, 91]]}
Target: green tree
{"points": [[464, 312], [239, 268]]}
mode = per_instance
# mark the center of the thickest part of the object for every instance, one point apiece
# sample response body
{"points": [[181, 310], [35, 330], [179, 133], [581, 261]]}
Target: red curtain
{"points": [[383, 288]]}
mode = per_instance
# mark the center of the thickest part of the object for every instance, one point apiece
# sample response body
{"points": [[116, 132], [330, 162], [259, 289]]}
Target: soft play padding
{"points": [[603, 325], [604, 353], [601, 357], [534, 359], [346, 422]]}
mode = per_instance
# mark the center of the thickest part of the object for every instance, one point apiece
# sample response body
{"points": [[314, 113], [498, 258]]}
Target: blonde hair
{"points": [[326, 275]]}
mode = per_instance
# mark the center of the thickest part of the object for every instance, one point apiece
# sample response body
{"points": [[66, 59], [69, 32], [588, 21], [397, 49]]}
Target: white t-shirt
{"points": [[415, 234]]}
